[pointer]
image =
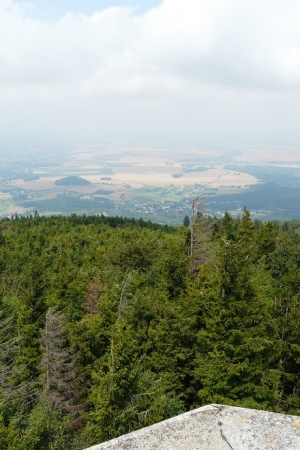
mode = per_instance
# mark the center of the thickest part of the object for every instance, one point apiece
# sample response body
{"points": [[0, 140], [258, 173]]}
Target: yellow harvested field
{"points": [[42, 184], [214, 177], [5, 196]]}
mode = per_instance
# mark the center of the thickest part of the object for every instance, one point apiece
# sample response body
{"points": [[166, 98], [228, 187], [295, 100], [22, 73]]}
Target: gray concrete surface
{"points": [[215, 427]]}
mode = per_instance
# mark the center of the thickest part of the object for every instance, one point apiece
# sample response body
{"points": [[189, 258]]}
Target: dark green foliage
{"points": [[186, 221], [141, 329], [45, 427]]}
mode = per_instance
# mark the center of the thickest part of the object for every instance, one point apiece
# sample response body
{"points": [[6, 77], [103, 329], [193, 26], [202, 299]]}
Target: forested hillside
{"points": [[109, 324]]}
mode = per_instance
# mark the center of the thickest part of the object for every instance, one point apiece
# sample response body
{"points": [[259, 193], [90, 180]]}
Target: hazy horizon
{"points": [[159, 71]]}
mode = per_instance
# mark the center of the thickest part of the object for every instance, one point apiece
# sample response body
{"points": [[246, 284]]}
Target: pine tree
{"points": [[8, 349], [236, 339], [186, 221], [201, 233]]}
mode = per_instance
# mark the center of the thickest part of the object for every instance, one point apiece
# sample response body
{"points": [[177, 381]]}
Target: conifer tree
{"points": [[8, 348], [201, 232], [236, 338]]}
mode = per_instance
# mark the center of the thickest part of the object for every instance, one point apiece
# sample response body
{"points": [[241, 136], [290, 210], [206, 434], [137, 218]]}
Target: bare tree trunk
{"points": [[61, 385]]}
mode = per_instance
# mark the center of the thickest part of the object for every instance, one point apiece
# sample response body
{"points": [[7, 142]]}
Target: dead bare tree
{"points": [[61, 381]]}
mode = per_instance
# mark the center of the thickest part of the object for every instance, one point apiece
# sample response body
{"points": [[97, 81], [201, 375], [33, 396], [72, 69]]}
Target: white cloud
{"points": [[219, 62]]}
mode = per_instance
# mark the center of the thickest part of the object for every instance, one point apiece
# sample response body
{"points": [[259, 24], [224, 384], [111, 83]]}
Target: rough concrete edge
{"points": [[213, 409], [134, 434]]}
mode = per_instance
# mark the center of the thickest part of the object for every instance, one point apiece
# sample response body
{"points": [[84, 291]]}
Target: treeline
{"points": [[111, 324]]}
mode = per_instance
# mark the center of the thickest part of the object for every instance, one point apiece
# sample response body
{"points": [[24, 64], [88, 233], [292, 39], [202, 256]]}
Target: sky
{"points": [[153, 70]]}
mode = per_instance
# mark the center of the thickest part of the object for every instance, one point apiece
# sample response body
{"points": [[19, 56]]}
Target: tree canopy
{"points": [[110, 324]]}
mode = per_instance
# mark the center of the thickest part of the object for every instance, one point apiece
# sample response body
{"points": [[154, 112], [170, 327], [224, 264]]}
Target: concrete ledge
{"points": [[215, 427]]}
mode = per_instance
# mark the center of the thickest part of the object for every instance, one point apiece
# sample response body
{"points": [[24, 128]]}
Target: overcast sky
{"points": [[163, 70]]}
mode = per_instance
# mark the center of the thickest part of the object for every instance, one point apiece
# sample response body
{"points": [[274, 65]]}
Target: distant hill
{"points": [[103, 192], [72, 181]]}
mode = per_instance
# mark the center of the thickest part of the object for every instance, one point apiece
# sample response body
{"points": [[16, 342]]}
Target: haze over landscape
{"points": [[171, 99]]}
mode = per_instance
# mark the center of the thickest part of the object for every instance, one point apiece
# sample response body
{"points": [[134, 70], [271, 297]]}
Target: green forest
{"points": [[110, 324]]}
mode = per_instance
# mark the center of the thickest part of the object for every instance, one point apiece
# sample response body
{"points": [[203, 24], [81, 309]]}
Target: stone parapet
{"points": [[214, 427]]}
